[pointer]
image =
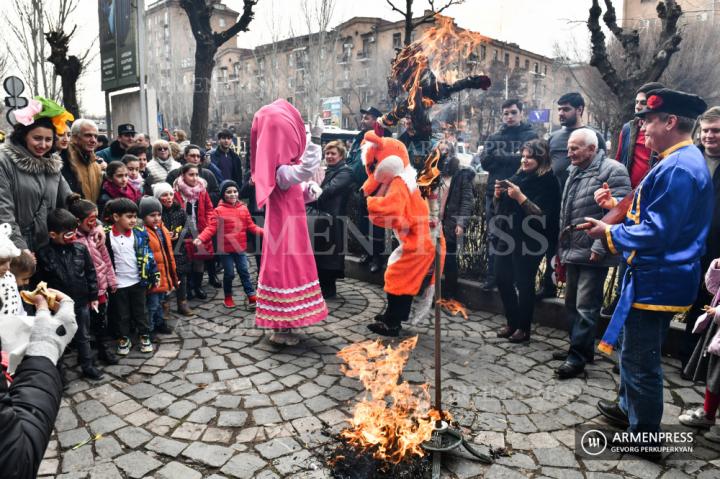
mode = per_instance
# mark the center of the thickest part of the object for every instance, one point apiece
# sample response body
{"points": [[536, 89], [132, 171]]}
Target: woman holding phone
{"points": [[527, 210]]}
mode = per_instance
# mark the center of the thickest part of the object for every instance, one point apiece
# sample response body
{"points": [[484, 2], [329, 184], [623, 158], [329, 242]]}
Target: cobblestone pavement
{"points": [[217, 400]]}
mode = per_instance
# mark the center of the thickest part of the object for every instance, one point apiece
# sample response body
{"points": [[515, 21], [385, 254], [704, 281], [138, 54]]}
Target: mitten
{"points": [[50, 334]]}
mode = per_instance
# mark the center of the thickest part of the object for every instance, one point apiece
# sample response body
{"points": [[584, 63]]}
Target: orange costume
{"points": [[394, 201]]}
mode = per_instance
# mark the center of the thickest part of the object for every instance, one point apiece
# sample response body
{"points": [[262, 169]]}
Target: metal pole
{"points": [[108, 116], [438, 312], [140, 17]]}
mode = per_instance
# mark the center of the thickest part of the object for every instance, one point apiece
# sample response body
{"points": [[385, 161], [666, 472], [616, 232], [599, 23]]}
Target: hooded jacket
{"points": [[162, 249], [104, 271], [501, 153], [234, 221], [30, 188]]}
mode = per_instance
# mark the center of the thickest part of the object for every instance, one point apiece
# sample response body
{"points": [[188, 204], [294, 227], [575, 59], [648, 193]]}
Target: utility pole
{"points": [[140, 5]]}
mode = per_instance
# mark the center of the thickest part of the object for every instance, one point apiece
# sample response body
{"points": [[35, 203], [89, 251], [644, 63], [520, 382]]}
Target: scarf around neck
{"points": [[115, 191], [190, 193]]}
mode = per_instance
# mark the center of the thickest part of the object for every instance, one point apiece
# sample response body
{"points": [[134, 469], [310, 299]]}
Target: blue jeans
{"points": [[155, 310], [239, 261], [583, 300], [641, 375]]}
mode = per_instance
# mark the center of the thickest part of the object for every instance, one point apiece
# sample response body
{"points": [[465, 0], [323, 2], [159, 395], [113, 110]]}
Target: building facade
{"points": [[641, 14]]}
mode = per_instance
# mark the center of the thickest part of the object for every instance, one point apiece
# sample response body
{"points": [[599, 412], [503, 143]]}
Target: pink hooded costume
{"points": [[288, 292]]}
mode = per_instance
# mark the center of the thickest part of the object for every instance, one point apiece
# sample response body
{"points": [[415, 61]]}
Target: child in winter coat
{"points": [[23, 268], [174, 219], [117, 185], [9, 294], [231, 223], [135, 178], [161, 246], [136, 272], [65, 264], [87, 215], [704, 364]]}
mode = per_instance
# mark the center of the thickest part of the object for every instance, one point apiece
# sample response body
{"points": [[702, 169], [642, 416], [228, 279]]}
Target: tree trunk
{"points": [[204, 64], [67, 68]]}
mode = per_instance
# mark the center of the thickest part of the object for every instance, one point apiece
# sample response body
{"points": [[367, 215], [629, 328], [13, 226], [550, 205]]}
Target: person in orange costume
{"points": [[394, 201]]}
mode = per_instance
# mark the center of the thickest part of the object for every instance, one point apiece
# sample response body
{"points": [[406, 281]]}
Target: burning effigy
{"points": [[391, 422]]}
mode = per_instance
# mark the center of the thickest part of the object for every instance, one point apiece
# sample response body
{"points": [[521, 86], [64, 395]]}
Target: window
{"points": [[545, 70], [496, 57], [537, 68], [483, 52], [507, 59], [397, 40], [221, 22], [527, 64], [365, 52], [347, 52], [517, 61]]}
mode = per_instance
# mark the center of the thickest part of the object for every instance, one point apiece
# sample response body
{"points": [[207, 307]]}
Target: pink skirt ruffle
{"points": [[296, 307]]}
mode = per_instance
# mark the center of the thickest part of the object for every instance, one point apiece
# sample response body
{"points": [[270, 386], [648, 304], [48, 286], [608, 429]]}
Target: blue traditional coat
{"points": [[663, 237]]}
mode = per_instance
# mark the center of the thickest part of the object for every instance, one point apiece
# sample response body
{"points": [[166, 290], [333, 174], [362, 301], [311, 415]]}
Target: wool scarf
{"points": [[190, 193], [129, 191]]}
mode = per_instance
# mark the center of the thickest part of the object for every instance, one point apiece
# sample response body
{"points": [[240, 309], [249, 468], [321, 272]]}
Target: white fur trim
{"points": [[287, 290], [390, 167], [8, 250], [424, 305], [364, 148], [290, 309], [409, 176]]}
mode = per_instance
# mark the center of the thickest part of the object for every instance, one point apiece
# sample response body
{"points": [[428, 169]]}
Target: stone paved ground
{"points": [[217, 400]]}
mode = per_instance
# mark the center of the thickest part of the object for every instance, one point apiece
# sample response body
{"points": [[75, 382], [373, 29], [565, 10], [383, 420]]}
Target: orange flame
{"points": [[392, 429], [442, 50]]}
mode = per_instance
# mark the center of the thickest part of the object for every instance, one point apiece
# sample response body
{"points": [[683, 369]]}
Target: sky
{"points": [[534, 25]]}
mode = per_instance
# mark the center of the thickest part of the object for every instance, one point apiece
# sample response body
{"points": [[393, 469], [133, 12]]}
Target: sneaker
{"points": [[229, 303], [124, 345], [252, 302], [696, 418], [145, 344]]}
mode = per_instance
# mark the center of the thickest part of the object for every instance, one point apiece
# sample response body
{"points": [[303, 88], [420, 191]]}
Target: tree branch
{"points": [[669, 14], [629, 41], [600, 58], [392, 5], [430, 17], [240, 26]]}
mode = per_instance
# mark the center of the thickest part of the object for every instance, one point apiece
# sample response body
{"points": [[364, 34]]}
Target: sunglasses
{"points": [[163, 148]]}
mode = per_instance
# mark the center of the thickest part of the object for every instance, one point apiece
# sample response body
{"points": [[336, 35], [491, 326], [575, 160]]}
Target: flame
{"points": [[453, 307], [392, 429], [441, 50]]}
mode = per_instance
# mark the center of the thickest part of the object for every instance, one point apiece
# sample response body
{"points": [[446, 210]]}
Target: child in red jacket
{"points": [[231, 222]]}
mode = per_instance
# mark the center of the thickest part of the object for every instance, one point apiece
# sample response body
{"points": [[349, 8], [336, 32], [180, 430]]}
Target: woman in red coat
{"points": [[231, 224], [191, 194]]}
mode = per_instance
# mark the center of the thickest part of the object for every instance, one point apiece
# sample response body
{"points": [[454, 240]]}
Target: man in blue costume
{"points": [[662, 240]]}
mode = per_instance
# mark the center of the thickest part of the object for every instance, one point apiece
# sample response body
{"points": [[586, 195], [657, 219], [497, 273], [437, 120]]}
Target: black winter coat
{"points": [[174, 219], [68, 268], [501, 154], [712, 243], [327, 217], [539, 217], [460, 201], [27, 415]]}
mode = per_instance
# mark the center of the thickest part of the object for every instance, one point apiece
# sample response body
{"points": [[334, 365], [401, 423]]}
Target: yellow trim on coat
{"points": [[660, 307], [673, 149], [611, 245]]}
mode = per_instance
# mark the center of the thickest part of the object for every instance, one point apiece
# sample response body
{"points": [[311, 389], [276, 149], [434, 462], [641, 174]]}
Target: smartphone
{"points": [[504, 184]]}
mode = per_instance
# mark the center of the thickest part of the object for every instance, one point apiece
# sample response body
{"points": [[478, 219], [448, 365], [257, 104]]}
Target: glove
{"points": [[288, 175], [311, 191], [50, 335]]}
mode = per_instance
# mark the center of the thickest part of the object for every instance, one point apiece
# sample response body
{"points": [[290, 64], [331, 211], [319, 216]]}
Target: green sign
{"points": [[118, 44]]}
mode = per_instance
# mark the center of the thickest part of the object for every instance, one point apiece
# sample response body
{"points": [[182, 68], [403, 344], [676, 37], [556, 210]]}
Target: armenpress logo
{"points": [[593, 442]]}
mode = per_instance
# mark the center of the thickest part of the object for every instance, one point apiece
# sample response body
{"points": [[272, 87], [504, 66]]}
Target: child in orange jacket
{"points": [[161, 245], [235, 221]]}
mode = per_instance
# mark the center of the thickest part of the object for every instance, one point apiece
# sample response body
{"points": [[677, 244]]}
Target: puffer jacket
{"points": [[578, 201], [30, 187], [104, 271], [147, 267], [204, 213], [233, 221], [70, 269], [28, 409], [161, 246], [501, 153]]}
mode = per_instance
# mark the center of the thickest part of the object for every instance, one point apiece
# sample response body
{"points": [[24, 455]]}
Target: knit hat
{"points": [[160, 189], [8, 250], [148, 205], [225, 185]]}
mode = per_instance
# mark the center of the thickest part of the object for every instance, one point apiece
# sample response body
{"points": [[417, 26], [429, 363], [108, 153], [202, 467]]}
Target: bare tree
{"points": [[412, 23], [67, 67], [641, 60], [26, 22], [4, 64], [207, 43]]}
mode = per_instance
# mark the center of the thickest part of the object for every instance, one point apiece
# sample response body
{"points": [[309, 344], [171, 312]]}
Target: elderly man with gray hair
{"points": [[586, 260], [81, 169]]}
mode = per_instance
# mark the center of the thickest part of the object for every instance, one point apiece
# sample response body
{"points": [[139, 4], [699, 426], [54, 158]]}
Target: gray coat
{"points": [[30, 188], [578, 201]]}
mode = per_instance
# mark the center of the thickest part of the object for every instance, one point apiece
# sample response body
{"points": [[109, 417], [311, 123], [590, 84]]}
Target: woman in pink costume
{"points": [[282, 162]]}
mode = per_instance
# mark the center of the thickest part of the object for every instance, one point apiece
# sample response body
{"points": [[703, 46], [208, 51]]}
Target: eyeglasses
{"points": [[163, 148]]}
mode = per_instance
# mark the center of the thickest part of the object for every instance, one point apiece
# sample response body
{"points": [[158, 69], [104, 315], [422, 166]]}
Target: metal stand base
{"points": [[445, 439]]}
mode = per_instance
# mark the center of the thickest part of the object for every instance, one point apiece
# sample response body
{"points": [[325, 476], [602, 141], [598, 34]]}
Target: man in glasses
{"points": [[81, 169], [118, 148]]}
